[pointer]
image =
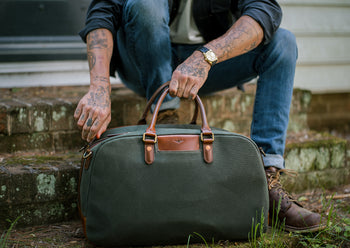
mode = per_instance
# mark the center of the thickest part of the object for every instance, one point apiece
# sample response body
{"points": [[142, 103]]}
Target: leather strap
{"points": [[143, 119], [150, 136]]}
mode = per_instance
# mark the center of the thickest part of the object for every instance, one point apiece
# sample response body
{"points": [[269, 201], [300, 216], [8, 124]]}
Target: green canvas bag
{"points": [[157, 184]]}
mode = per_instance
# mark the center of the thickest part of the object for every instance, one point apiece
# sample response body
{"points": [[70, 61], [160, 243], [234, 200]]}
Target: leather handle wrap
{"points": [[150, 136], [205, 127], [143, 121]]}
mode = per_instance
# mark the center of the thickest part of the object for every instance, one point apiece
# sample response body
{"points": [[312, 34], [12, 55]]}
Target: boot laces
{"points": [[275, 183]]}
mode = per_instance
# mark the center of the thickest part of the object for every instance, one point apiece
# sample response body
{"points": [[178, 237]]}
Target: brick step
{"points": [[42, 188], [41, 119]]}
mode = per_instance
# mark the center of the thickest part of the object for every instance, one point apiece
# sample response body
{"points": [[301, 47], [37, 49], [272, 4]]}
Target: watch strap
{"points": [[203, 49]]}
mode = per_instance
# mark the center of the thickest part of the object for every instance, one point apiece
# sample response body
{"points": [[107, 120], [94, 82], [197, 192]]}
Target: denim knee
{"points": [[284, 44], [148, 13]]}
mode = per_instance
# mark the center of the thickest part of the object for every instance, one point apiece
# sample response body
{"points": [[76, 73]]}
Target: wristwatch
{"points": [[209, 55]]}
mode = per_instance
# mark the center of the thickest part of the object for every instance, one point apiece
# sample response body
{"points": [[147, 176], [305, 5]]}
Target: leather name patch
{"points": [[178, 143]]}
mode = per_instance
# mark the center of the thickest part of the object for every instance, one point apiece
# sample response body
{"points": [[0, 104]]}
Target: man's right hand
{"points": [[93, 113]]}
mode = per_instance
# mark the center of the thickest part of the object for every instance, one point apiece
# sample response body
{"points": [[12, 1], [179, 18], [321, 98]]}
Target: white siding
{"points": [[322, 29]]}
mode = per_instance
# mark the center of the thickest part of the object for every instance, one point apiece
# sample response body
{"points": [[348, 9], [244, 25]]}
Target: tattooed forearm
{"points": [[97, 39], [99, 50], [100, 79], [245, 35], [91, 59]]}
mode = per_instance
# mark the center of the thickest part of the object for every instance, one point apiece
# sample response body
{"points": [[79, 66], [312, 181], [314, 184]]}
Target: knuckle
{"points": [[80, 123], [94, 130], [86, 129]]}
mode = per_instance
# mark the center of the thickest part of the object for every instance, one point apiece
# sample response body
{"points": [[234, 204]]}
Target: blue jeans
{"points": [[148, 59]]}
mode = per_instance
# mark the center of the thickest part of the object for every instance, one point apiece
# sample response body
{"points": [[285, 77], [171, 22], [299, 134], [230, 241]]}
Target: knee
{"points": [[285, 45], [146, 12]]}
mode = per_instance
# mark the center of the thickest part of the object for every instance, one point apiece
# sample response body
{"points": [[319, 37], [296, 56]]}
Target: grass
{"points": [[337, 231], [336, 234], [274, 237], [5, 234]]}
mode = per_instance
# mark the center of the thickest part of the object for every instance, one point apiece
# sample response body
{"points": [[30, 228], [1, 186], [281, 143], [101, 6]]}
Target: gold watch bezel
{"points": [[209, 55]]}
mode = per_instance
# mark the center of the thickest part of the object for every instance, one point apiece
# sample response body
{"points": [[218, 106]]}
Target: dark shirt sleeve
{"points": [[103, 14], [266, 12]]}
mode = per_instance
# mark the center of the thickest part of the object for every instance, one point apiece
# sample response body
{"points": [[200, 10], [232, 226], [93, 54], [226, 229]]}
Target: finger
{"points": [[187, 90], [87, 127], [77, 112], [103, 128], [181, 89], [194, 92], [173, 87], [93, 131], [82, 119]]}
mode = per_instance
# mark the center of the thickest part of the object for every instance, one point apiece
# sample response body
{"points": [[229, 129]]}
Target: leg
{"points": [[144, 46], [276, 69]]}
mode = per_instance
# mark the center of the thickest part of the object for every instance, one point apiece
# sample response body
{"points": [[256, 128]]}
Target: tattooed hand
{"points": [[189, 76], [244, 35], [93, 112]]}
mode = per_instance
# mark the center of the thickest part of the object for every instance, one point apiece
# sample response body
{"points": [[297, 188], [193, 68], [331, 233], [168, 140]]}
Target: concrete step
{"points": [[41, 119], [42, 187], [321, 160], [44, 73]]}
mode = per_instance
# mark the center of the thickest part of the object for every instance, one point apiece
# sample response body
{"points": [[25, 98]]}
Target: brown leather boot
{"points": [[295, 217], [169, 116]]}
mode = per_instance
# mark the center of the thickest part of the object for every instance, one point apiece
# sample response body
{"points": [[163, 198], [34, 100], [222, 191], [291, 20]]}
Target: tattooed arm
{"points": [[93, 112], [189, 77]]}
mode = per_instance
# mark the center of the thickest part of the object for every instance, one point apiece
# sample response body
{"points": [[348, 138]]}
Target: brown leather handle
{"points": [[150, 136], [151, 131], [143, 121]]}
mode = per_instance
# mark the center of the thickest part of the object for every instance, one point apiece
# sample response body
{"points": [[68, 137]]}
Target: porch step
{"points": [[321, 160], [42, 187], [41, 119]]}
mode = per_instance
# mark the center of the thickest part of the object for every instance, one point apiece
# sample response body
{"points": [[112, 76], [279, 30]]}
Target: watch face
{"points": [[211, 56]]}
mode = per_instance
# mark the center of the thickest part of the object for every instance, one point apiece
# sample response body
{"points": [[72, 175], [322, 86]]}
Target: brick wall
{"points": [[330, 112]]}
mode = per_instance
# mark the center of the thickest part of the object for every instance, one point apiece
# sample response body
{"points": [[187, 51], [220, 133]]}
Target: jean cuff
{"points": [[171, 104], [274, 160]]}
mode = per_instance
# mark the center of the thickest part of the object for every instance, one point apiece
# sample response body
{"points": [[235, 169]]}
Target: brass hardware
{"points": [[147, 140], [85, 156], [212, 138]]}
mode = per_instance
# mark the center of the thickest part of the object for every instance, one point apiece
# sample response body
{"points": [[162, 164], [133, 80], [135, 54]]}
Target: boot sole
{"points": [[310, 229]]}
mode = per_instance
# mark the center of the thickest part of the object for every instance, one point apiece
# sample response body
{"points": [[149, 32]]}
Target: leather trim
{"points": [[178, 142], [208, 152], [87, 163], [149, 153], [83, 220], [82, 217]]}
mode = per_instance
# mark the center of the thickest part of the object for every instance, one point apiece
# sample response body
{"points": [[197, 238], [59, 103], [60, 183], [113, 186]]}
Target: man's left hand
{"points": [[189, 76]]}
